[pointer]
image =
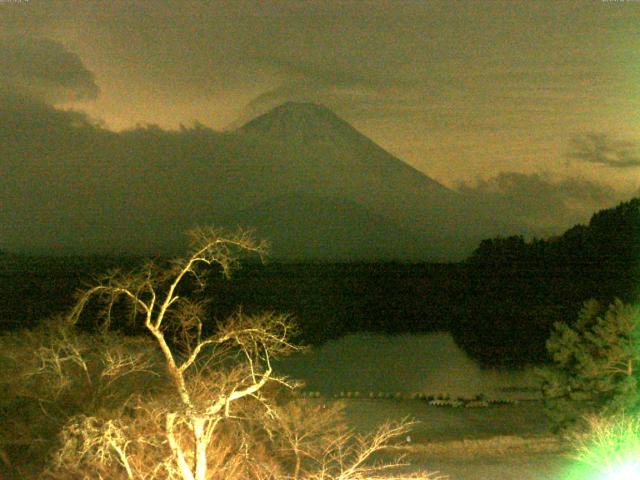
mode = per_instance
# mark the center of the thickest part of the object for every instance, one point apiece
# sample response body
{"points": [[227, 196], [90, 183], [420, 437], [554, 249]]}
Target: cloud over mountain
{"points": [[545, 205], [295, 173], [45, 69], [305, 178], [602, 149]]}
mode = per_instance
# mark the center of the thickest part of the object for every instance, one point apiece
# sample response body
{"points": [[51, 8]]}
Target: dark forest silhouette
{"points": [[500, 304], [514, 290]]}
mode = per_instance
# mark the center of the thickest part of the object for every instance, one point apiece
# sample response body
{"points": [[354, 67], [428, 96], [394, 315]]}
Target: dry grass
{"points": [[502, 445]]}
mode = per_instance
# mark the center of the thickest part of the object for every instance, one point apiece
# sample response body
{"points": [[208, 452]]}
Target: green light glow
{"points": [[626, 471], [621, 470], [610, 451]]}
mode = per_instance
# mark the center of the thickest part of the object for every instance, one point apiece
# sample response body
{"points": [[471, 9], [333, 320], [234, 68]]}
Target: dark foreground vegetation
{"points": [[515, 290]]}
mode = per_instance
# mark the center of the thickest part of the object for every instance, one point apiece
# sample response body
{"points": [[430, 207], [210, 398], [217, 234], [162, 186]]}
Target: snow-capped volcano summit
{"points": [[304, 123]]}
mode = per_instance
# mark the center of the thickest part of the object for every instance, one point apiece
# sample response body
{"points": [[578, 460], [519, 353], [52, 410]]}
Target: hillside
{"points": [[86, 189], [341, 163], [301, 226]]}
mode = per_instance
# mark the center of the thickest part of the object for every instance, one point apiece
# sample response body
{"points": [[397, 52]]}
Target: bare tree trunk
{"points": [[296, 473], [201, 448], [185, 470]]}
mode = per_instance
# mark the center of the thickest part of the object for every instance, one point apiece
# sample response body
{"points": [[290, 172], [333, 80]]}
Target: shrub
{"points": [[53, 373]]}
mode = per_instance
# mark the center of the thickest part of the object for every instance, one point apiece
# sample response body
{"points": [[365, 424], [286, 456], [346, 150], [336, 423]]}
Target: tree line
{"points": [[514, 290]]}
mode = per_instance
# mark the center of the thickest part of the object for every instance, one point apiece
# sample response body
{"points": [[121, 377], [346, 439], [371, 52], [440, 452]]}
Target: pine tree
{"points": [[596, 364]]}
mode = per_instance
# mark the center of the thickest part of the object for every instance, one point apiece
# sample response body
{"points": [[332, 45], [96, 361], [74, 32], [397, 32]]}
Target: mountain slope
{"points": [[301, 226], [340, 162], [312, 127], [70, 185]]}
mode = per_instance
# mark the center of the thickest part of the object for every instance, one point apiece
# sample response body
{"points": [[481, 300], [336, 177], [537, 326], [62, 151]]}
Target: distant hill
{"points": [[611, 239], [301, 226], [71, 186]]}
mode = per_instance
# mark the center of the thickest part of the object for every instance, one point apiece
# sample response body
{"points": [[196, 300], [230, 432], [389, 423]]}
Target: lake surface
{"points": [[429, 363]]}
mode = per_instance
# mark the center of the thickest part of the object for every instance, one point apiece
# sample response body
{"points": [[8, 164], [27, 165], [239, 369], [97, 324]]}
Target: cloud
{"points": [[335, 96], [357, 97], [548, 206], [602, 149], [23, 111], [44, 69]]}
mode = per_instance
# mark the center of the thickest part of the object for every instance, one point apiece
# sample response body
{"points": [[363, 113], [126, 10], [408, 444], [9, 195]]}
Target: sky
{"points": [[521, 98]]}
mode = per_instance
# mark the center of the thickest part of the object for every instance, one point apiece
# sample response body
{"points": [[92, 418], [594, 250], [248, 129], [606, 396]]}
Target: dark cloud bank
{"points": [[44, 69], [543, 204], [300, 175], [600, 148]]}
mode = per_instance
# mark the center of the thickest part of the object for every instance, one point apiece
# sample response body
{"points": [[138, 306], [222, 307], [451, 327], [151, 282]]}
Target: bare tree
{"points": [[214, 409], [176, 324], [53, 373], [315, 435]]}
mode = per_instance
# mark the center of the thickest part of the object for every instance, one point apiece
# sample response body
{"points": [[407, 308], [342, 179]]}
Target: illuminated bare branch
{"points": [[155, 293], [216, 406]]}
